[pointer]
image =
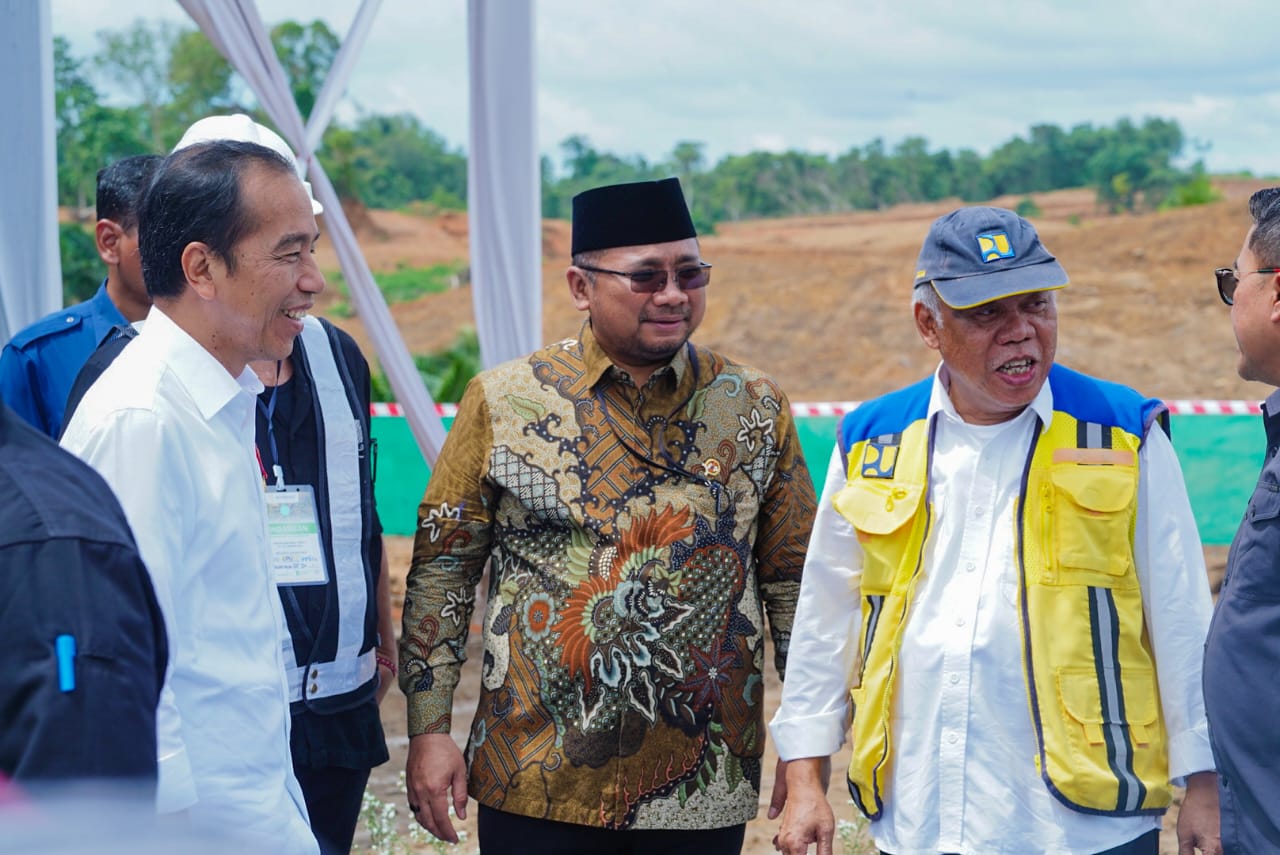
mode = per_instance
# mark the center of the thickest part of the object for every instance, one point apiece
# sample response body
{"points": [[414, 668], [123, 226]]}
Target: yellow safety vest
{"points": [[1087, 662]]}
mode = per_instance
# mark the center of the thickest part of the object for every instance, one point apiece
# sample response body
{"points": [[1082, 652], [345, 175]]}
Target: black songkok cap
{"points": [[630, 215]]}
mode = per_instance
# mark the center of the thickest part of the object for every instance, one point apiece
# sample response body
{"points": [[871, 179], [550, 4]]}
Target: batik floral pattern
{"points": [[636, 539]]}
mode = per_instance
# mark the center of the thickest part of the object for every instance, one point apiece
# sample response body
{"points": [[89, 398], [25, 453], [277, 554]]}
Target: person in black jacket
{"points": [[82, 641]]}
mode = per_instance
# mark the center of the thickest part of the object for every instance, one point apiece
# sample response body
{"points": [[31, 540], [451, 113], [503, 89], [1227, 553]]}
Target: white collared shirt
{"points": [[172, 433], [963, 778]]}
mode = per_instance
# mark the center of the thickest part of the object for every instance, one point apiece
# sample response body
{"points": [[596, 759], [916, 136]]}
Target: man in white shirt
{"points": [[226, 233], [1004, 598]]}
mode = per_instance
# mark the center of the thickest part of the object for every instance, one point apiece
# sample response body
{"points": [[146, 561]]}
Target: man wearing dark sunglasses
{"points": [[1004, 591], [643, 505], [1242, 654]]}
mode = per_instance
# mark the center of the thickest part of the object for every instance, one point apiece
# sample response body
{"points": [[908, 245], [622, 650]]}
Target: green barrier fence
{"points": [[1220, 457]]}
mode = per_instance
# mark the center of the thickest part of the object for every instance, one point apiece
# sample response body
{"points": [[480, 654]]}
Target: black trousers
{"points": [[503, 833], [333, 798], [1147, 844]]}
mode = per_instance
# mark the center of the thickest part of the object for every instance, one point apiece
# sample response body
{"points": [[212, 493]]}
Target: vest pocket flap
{"points": [[1079, 692], [1105, 489], [878, 507]]}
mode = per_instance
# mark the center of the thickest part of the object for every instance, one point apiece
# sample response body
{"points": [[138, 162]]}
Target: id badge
{"points": [[293, 529]]}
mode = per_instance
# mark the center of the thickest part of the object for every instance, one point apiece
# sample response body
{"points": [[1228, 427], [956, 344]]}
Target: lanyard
{"points": [[269, 411], [668, 463]]}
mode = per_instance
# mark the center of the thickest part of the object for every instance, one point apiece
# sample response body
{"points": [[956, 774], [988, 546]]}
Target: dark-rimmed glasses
{"points": [[649, 281], [1228, 278]]}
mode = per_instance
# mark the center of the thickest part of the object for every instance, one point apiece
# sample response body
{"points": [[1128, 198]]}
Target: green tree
{"points": [[82, 268], [136, 59], [447, 372], [89, 135], [306, 51], [200, 82]]}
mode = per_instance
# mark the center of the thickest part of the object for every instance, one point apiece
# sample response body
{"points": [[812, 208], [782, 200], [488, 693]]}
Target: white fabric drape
{"points": [[237, 31], [504, 181], [30, 270]]}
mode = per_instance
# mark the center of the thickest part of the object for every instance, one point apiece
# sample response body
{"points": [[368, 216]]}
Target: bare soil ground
{"points": [[822, 304]]}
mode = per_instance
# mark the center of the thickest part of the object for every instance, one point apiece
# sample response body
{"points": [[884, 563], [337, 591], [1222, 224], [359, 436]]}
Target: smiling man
{"points": [[226, 233], [642, 505], [1004, 590]]}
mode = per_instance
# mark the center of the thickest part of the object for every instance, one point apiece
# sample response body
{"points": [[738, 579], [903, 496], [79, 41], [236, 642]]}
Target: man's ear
{"points": [[1273, 293], [926, 324], [203, 269], [579, 288], [107, 234]]}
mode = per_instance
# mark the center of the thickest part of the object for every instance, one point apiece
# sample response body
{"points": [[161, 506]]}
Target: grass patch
{"points": [[400, 285]]}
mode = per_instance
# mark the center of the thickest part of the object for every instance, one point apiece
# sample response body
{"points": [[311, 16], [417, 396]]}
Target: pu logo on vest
{"points": [[879, 459]]}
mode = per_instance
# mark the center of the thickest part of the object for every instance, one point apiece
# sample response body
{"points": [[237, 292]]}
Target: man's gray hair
{"points": [[925, 295], [1264, 207]]}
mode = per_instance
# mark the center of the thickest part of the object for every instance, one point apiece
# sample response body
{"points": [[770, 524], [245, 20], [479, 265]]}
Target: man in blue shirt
{"points": [[40, 363]]}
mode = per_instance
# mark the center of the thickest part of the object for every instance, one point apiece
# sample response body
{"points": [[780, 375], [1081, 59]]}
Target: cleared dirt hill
{"points": [[822, 303]]}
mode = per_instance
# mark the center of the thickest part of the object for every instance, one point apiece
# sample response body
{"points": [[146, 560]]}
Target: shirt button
{"points": [[315, 672], [977, 512], [959, 621], [952, 738], [971, 566], [314, 688], [955, 678]]}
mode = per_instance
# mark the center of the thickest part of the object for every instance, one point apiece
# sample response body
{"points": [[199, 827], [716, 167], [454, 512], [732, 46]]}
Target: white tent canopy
{"points": [[30, 273], [503, 179]]}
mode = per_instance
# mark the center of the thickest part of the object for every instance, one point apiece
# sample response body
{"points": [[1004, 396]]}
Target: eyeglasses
{"points": [[652, 281], [1228, 278]]}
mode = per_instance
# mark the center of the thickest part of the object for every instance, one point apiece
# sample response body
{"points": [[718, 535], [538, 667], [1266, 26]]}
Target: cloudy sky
{"points": [[820, 75]]}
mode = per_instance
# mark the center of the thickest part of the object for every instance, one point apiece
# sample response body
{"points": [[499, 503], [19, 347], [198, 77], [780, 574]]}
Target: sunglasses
{"points": [[689, 278], [1228, 278]]}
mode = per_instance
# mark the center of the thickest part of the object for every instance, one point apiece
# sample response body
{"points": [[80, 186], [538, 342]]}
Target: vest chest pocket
{"points": [[1091, 517], [880, 512]]}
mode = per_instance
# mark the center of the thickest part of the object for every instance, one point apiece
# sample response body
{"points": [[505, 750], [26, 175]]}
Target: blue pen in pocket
{"points": [[65, 647]]}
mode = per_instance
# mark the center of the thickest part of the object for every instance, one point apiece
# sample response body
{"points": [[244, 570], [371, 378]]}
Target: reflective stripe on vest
{"points": [[1089, 666], [1090, 673], [885, 498], [325, 679], [342, 440]]}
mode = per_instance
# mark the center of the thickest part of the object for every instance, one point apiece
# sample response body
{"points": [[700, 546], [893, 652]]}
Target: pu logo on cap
{"points": [[994, 246]]}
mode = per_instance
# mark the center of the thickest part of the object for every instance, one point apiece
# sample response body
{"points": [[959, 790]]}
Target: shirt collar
{"points": [[105, 314], [208, 383], [940, 399], [1271, 417], [596, 362]]}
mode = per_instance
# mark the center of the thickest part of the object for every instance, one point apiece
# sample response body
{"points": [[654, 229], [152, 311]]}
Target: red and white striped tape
{"points": [[391, 408], [827, 409]]}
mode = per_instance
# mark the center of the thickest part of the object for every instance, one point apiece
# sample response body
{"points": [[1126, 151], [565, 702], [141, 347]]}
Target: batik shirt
{"points": [[637, 536]]}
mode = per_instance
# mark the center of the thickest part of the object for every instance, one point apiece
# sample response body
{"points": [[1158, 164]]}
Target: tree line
{"points": [[161, 78]]}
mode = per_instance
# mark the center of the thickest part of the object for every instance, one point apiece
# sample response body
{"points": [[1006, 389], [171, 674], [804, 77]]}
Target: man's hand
{"points": [[434, 774], [1198, 826], [778, 800], [807, 817], [386, 679]]}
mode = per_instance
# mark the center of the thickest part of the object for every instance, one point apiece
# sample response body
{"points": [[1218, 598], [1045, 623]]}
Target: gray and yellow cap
{"points": [[977, 255]]}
